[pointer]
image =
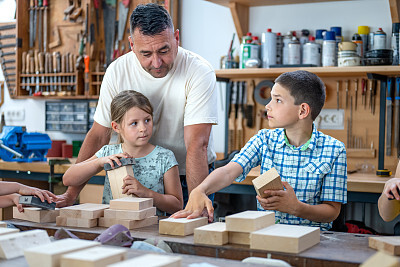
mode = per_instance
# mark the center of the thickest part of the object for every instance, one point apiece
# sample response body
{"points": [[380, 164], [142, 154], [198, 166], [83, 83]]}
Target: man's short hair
{"points": [[150, 19], [305, 87]]}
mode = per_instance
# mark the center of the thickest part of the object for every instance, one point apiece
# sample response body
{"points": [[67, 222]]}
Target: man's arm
{"points": [[196, 142], [96, 138]]}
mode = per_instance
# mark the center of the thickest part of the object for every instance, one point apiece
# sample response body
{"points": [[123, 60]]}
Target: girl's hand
{"points": [[15, 199], [133, 187], [40, 193], [110, 159]]}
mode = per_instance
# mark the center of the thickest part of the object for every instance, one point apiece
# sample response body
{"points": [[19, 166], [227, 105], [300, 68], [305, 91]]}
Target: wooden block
{"points": [[131, 203], [239, 238], [3, 224], [76, 222], [211, 234], [388, 244], [36, 215], [93, 257], [13, 245], [269, 180], [87, 211], [6, 231], [49, 255], [130, 214], [180, 226], [285, 238], [116, 177], [130, 224], [249, 221], [151, 260], [382, 260]]}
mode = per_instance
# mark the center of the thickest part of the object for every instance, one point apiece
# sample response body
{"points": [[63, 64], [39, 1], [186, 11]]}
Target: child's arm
{"points": [[7, 188], [81, 172], [172, 199], [389, 206], [11, 200], [199, 204], [286, 201]]}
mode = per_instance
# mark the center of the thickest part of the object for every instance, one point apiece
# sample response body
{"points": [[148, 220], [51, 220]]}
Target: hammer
{"points": [[117, 174]]}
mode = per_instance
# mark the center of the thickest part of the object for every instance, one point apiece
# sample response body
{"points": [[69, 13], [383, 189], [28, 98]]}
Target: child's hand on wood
{"points": [[115, 158], [280, 200], [40, 193], [15, 199], [133, 187]]}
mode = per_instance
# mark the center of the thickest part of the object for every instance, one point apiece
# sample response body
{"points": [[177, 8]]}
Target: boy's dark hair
{"points": [[305, 87], [150, 19]]}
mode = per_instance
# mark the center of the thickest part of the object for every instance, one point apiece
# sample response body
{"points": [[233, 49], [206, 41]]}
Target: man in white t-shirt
{"points": [[179, 84]]}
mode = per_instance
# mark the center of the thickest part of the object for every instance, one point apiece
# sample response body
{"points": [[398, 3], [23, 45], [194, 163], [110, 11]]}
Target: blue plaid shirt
{"points": [[317, 172]]}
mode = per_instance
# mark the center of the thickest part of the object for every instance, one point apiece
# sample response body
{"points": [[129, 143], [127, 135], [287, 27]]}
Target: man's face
{"points": [[155, 53]]}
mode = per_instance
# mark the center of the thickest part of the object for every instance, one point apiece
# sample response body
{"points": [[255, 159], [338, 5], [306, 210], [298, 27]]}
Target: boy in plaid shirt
{"points": [[312, 165]]}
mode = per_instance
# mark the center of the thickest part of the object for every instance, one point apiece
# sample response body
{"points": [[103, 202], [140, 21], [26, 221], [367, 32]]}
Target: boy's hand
{"points": [[199, 205], [133, 187], [391, 189], [40, 193], [110, 159], [280, 200]]}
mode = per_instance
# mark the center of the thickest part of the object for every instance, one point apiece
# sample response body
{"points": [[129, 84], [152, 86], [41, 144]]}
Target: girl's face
{"points": [[136, 127]]}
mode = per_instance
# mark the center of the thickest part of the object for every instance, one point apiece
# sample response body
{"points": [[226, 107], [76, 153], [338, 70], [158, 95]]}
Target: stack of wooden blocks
{"points": [[131, 212], [38, 215], [258, 229], [84, 215], [181, 226], [388, 248]]}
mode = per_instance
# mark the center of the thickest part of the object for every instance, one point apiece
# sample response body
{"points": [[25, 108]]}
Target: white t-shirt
{"points": [[185, 96]]}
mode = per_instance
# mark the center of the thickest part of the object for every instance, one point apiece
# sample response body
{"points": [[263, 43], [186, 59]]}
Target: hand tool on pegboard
{"points": [[397, 114], [374, 88], [96, 7], [36, 59], [58, 62], [31, 26], [337, 95], [63, 71], [39, 7], [41, 68], [87, 61], [364, 93], [54, 64], [109, 18], [231, 120], [32, 72], [239, 118], [355, 93], [69, 9], [27, 69], [45, 7], [250, 104], [35, 8], [347, 94], [123, 9], [389, 118], [23, 68], [77, 12]]}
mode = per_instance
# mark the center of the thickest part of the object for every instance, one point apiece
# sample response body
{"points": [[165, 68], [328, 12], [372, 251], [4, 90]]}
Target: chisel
{"points": [[28, 87], [337, 93], [231, 122], [347, 93], [389, 118], [45, 5], [250, 105], [40, 24], [23, 68], [36, 58], [397, 113], [31, 28], [355, 93]]}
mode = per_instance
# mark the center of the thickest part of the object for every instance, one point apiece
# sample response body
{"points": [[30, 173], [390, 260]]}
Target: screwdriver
{"points": [[86, 60]]}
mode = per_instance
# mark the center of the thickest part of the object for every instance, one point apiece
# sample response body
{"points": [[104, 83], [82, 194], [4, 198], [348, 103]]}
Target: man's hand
{"points": [[391, 189], [280, 200], [65, 200], [133, 187], [40, 193], [199, 205]]}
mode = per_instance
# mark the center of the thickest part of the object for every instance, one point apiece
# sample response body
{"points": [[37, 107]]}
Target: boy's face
{"points": [[281, 110]]}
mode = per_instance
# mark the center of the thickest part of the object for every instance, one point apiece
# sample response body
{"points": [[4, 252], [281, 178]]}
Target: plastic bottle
{"points": [[363, 31], [312, 52], [379, 39], [294, 51], [329, 49], [319, 36], [359, 42], [395, 43], [268, 48]]}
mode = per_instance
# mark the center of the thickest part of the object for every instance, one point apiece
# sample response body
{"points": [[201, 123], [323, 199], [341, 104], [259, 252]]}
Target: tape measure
{"points": [[260, 92], [383, 173]]}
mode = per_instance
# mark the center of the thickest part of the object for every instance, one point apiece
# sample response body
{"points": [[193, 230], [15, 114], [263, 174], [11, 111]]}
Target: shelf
{"points": [[266, 2], [320, 71]]}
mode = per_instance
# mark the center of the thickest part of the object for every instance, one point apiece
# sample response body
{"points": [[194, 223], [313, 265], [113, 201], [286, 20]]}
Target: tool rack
{"points": [[82, 37]]}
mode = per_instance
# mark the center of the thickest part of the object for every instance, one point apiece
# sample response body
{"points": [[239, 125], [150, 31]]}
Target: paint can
{"points": [[379, 39], [339, 39], [312, 52], [348, 58], [395, 43], [285, 50], [303, 40], [247, 50], [319, 36], [294, 51], [363, 31], [279, 48], [370, 41], [268, 48], [329, 49]]}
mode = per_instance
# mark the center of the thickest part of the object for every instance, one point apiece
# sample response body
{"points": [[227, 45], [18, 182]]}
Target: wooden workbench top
{"points": [[335, 248]]}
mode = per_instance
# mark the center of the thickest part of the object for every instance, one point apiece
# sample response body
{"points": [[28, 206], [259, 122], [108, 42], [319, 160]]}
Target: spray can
{"points": [[268, 48], [245, 50], [358, 41], [279, 48], [319, 36], [329, 49], [380, 39], [371, 41], [303, 40], [294, 51], [363, 31], [395, 43], [286, 40], [312, 52], [339, 39]]}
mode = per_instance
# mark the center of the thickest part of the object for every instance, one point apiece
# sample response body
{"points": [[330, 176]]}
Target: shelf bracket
{"points": [[395, 10], [240, 15]]}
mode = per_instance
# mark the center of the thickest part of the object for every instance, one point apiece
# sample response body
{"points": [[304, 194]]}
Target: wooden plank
{"points": [[269, 180], [116, 177], [388, 244], [285, 238], [394, 10], [239, 238], [151, 260], [13, 245], [131, 203], [249, 221], [211, 234], [87, 211], [180, 226], [76, 222], [36, 214], [3, 224], [382, 260], [6, 231], [130, 214], [93, 257], [49, 255], [130, 224]]}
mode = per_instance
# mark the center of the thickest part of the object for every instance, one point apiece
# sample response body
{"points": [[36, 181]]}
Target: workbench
{"points": [[335, 248]]}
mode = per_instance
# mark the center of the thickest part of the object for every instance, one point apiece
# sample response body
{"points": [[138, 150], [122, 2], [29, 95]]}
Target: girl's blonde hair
{"points": [[126, 100]]}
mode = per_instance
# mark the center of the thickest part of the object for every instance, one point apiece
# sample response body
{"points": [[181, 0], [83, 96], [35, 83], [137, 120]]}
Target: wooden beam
{"points": [[240, 15], [394, 10]]}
